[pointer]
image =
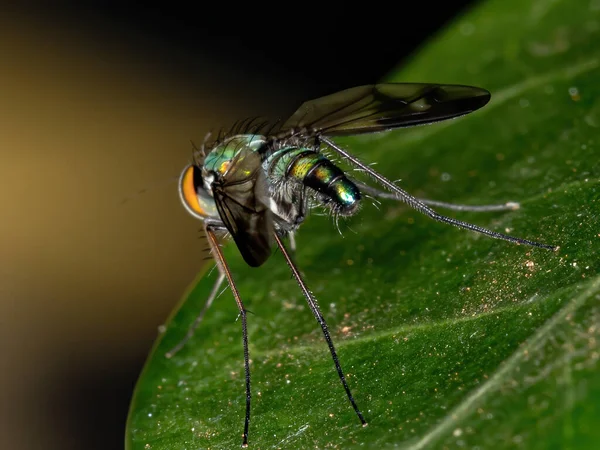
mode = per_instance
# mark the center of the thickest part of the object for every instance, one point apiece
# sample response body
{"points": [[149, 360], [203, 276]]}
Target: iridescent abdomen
{"points": [[315, 171]]}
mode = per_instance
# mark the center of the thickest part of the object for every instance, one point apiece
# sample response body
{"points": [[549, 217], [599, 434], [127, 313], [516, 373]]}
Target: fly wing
{"points": [[380, 107], [241, 197]]}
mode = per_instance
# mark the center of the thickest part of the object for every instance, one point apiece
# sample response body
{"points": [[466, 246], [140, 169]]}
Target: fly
{"points": [[258, 186]]}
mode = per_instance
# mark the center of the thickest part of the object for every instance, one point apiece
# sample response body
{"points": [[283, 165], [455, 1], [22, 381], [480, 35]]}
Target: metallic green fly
{"points": [[257, 186]]}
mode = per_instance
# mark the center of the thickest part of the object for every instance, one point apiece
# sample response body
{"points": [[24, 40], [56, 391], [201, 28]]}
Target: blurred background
{"points": [[99, 102]]}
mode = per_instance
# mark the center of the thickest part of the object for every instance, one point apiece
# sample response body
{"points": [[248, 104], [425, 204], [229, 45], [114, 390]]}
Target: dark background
{"points": [[87, 283], [320, 48]]}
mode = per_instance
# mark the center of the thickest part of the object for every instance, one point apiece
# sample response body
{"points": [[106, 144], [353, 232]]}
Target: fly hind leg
{"points": [[508, 206]]}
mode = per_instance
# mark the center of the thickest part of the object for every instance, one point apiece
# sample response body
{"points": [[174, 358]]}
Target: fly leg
{"points": [[401, 194], [224, 269], [292, 240], [194, 326], [508, 206], [314, 307]]}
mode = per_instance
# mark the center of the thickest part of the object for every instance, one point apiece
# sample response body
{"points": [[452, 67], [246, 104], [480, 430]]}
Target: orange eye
{"points": [[187, 191]]}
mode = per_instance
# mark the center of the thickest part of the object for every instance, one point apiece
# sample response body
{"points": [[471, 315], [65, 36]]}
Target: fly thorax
{"points": [[217, 161], [221, 155], [314, 171]]}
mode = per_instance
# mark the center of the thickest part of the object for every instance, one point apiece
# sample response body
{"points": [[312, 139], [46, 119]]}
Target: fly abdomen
{"points": [[315, 171]]}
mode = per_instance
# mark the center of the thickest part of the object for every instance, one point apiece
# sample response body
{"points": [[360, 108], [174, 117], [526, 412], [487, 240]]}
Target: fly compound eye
{"points": [[189, 184]]}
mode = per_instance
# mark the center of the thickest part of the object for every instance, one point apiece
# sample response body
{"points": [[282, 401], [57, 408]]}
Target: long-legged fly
{"points": [[258, 186]]}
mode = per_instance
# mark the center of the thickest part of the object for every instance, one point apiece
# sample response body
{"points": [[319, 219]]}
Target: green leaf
{"points": [[449, 339]]}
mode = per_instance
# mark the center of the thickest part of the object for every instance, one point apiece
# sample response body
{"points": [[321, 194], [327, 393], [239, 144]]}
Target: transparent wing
{"points": [[380, 107], [241, 197]]}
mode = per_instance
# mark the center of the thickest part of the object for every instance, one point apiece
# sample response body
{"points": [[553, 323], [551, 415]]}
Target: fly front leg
{"points": [[224, 268]]}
